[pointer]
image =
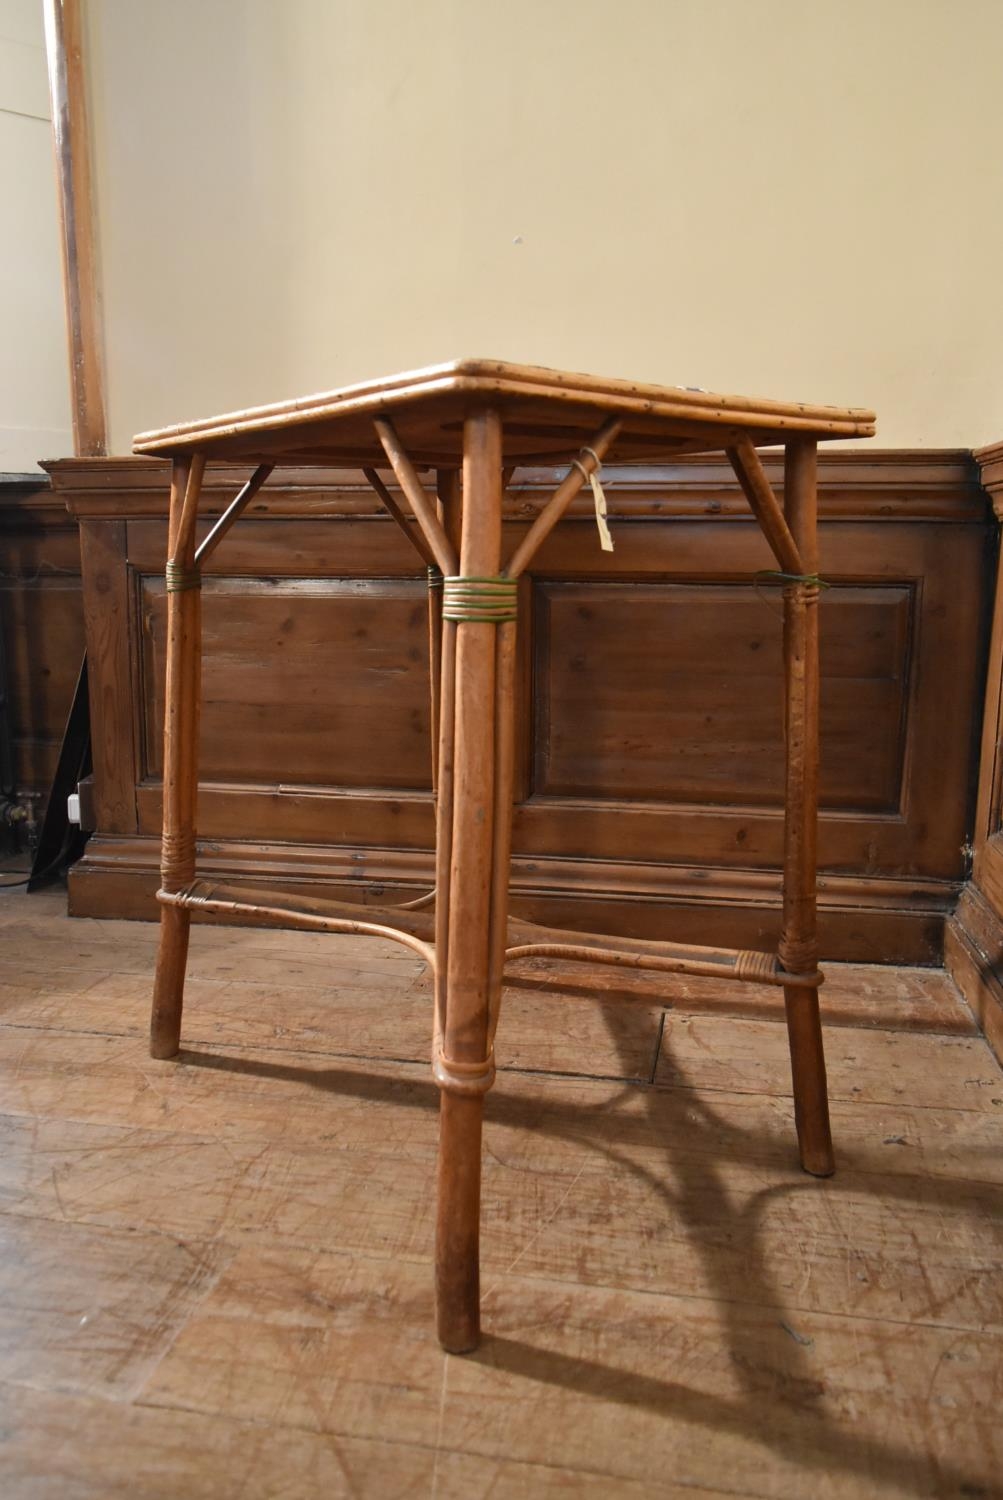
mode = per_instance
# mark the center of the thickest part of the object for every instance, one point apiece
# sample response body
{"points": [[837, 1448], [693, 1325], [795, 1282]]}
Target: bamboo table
{"points": [[470, 422]]}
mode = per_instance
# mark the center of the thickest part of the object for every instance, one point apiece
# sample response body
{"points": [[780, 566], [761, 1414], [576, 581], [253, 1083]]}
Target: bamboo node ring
{"points": [[489, 601], [179, 578], [463, 1077]]}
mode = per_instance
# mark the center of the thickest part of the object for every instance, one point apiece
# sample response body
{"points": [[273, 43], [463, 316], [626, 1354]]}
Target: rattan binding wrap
{"points": [[177, 859], [753, 966]]}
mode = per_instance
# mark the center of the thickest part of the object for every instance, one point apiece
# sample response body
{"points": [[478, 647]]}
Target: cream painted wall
{"points": [[784, 197], [34, 379]]}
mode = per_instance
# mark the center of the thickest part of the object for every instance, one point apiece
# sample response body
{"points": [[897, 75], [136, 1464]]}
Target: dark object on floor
{"points": [[8, 794], [61, 842]]}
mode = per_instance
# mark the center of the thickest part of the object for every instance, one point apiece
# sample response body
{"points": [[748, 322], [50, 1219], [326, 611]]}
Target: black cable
{"points": [[43, 874]]}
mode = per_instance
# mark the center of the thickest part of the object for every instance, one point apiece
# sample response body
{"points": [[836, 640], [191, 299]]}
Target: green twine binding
{"points": [[773, 575], [179, 578], [489, 601], [810, 580]]}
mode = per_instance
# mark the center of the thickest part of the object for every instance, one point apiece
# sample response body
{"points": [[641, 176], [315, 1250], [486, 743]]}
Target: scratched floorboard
{"points": [[215, 1274]]}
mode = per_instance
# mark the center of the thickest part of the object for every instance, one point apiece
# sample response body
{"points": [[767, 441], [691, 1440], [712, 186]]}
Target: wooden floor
{"points": [[216, 1281]]}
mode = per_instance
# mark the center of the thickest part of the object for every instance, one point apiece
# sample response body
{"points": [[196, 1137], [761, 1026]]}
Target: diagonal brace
{"points": [[420, 501], [236, 508], [562, 498], [765, 506], [416, 538]]}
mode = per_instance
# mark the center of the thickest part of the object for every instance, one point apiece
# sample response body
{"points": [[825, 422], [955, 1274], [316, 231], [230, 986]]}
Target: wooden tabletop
{"points": [[548, 416]]}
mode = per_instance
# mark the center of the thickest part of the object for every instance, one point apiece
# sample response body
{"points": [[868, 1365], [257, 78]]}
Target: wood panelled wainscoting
{"points": [[41, 620], [650, 749], [973, 946]]}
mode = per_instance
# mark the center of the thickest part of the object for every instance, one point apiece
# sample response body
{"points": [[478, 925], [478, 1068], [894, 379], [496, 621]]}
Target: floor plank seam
{"points": [[917, 1032], [835, 1098], [783, 1158], [500, 1273], [269, 1424]]}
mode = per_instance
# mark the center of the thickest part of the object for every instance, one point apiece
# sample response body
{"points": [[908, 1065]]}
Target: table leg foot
{"points": [[457, 1243], [169, 984], [811, 1104]]}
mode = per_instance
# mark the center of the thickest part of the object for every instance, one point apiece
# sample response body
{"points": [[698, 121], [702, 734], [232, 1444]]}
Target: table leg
{"points": [[443, 672], [799, 944], [181, 728], [468, 798], [434, 664], [448, 491]]}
